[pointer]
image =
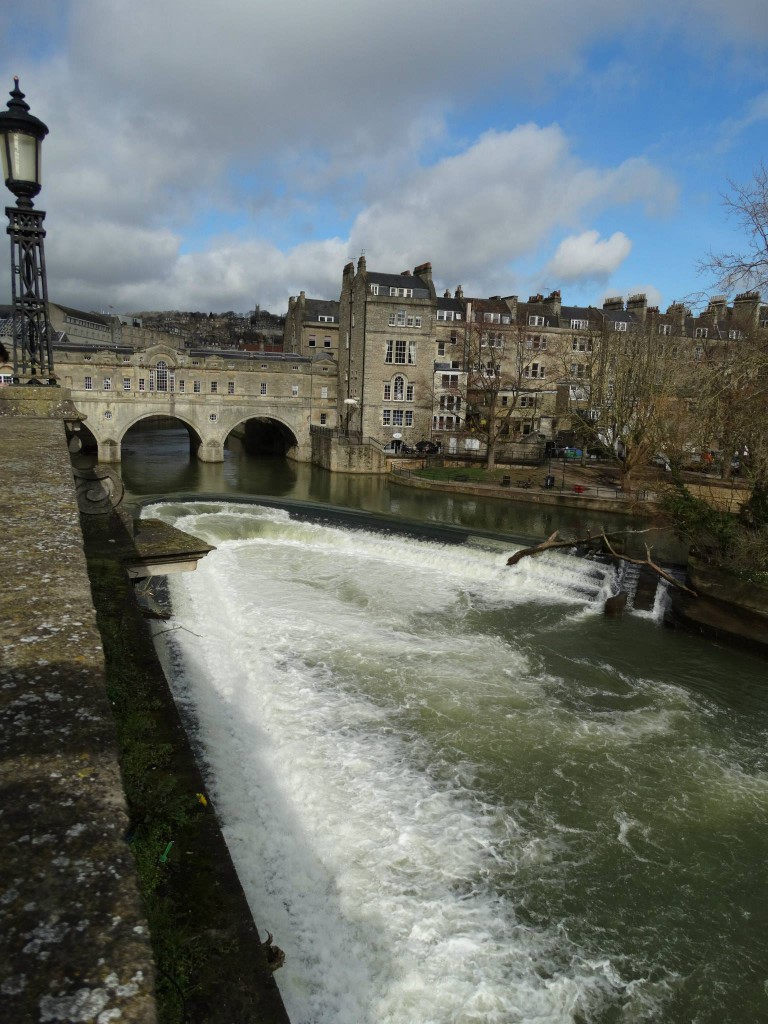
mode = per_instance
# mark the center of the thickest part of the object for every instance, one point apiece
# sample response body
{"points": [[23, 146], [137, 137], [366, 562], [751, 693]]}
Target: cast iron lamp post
{"points": [[21, 136]]}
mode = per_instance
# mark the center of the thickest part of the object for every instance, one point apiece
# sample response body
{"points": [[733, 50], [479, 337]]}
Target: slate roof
{"points": [[313, 308], [397, 281]]}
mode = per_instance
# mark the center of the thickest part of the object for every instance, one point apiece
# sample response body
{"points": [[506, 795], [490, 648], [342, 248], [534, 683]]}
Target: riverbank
{"points": [[212, 965]]}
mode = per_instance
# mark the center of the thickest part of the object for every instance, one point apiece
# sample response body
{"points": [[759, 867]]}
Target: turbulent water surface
{"points": [[455, 792]]}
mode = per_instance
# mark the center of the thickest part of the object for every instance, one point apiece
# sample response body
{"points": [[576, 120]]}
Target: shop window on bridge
{"points": [[197, 387], [263, 388], [126, 383], [214, 387], [182, 387], [294, 390], [142, 384], [88, 383], [230, 387], [324, 391], [107, 383]]}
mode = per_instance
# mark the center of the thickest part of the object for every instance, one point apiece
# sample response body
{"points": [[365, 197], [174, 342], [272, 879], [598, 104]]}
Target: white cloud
{"points": [[587, 257], [163, 114]]}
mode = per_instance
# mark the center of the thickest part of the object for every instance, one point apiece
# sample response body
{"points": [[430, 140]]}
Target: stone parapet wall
{"points": [[74, 944]]}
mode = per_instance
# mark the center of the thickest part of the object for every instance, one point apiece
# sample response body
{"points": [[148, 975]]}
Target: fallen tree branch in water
{"points": [[552, 543], [651, 565]]}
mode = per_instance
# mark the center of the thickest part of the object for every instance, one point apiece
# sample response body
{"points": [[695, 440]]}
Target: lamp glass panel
{"points": [[23, 153]]}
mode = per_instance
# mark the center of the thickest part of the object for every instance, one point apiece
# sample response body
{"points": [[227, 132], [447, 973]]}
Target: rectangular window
{"points": [[578, 370], [386, 417], [142, 384], [581, 345], [230, 387], [294, 390], [535, 371], [492, 318], [580, 325], [441, 348], [197, 387], [151, 380], [701, 332], [535, 321], [214, 387], [412, 353], [620, 325], [388, 355], [401, 318], [324, 392], [446, 314], [409, 417], [182, 386], [126, 383], [88, 384], [417, 321], [665, 329], [392, 320], [387, 392], [312, 340], [450, 380], [409, 392], [107, 383], [263, 388], [397, 417], [399, 351], [374, 289], [698, 352], [327, 319], [326, 342], [734, 335], [405, 293]]}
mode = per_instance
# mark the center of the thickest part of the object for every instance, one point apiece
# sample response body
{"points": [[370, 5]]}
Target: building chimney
{"points": [[424, 271], [361, 264], [459, 293], [638, 304], [447, 293], [553, 303], [746, 309], [614, 302]]}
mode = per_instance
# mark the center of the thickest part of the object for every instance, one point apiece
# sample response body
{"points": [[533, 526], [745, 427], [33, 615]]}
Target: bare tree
{"points": [[748, 204], [496, 381], [628, 401]]}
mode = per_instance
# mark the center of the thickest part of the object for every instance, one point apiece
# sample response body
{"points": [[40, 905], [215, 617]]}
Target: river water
{"points": [[453, 790]]}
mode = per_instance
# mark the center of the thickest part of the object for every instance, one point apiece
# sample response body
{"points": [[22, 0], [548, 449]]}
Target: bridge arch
{"points": [[196, 442], [265, 435]]}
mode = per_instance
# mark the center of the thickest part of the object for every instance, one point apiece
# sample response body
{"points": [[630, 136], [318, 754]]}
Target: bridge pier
{"points": [[210, 451], [109, 450]]}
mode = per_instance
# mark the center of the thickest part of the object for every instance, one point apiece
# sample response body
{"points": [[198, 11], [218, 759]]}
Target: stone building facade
{"points": [[387, 352], [312, 326]]}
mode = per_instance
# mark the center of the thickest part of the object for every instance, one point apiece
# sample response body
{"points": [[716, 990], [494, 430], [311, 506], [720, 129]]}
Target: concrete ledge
{"points": [[564, 499], [74, 945]]}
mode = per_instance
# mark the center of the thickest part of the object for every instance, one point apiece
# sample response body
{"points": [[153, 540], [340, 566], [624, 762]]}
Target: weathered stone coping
{"points": [[74, 944]]}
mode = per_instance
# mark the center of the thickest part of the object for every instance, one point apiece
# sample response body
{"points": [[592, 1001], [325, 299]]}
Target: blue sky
{"points": [[214, 156]]}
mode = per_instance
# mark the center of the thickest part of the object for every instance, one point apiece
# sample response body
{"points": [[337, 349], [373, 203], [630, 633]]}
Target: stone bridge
{"points": [[210, 392]]}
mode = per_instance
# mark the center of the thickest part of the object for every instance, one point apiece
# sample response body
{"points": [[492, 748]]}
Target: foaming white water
{"points": [[384, 871]]}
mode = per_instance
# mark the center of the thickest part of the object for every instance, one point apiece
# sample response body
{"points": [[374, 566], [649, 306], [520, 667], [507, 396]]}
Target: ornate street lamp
{"points": [[21, 136]]}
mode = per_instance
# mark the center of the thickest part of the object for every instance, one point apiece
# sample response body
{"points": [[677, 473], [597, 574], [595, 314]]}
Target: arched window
{"points": [[398, 391], [162, 375]]}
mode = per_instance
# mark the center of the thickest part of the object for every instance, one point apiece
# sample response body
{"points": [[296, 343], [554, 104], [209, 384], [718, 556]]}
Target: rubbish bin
{"points": [[549, 482]]}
